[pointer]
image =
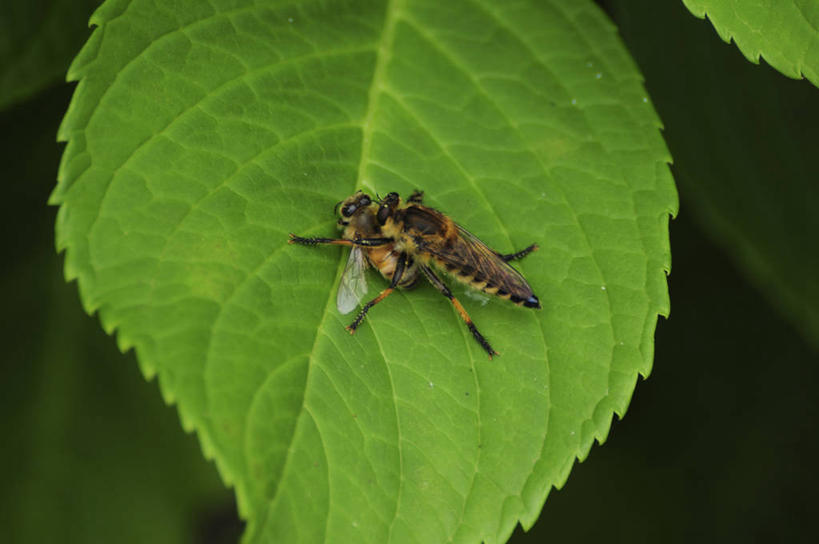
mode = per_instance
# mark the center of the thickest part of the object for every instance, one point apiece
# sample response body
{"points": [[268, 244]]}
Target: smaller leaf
{"points": [[785, 32], [744, 160]]}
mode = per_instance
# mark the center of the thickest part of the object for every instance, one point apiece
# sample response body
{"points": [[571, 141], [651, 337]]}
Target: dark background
{"points": [[719, 444]]}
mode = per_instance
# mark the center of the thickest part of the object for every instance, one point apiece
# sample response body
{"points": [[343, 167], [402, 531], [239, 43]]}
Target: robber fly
{"points": [[402, 239], [360, 232]]}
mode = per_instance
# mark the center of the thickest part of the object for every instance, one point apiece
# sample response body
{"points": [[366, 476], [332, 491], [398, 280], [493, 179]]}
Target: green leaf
{"points": [[744, 160], [785, 32], [38, 38], [201, 134]]}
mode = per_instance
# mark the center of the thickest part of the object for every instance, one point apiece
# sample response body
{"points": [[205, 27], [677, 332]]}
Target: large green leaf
{"points": [[201, 134], [785, 32], [38, 38]]}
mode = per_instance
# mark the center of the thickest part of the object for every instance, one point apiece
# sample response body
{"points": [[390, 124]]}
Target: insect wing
{"points": [[470, 253], [353, 285]]}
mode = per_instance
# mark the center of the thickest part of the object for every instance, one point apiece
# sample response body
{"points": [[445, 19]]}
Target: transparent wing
{"points": [[353, 285]]}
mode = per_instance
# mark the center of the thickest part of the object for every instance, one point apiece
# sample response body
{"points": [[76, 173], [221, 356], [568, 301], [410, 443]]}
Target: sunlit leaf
{"points": [[202, 133]]}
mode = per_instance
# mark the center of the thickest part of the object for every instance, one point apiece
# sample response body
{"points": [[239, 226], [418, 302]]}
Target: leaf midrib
{"points": [[383, 54]]}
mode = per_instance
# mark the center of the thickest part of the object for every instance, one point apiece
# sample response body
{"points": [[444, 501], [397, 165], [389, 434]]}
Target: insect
{"points": [[404, 240]]}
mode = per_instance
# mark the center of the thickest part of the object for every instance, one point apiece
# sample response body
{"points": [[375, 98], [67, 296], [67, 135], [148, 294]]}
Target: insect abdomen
{"points": [[477, 279]]}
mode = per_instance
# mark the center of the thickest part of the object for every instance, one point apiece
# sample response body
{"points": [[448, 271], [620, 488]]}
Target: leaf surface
{"points": [[201, 134], [785, 32]]}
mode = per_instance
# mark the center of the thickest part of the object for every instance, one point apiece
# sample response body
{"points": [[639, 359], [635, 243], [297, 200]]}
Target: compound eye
{"points": [[365, 201], [348, 210], [383, 214]]}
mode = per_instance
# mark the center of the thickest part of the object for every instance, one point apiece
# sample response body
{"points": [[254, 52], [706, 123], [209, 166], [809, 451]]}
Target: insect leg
{"points": [[520, 254], [441, 286], [396, 277], [416, 196], [366, 242]]}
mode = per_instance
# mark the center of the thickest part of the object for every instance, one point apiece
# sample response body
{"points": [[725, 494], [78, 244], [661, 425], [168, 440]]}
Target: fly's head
{"points": [[353, 210]]}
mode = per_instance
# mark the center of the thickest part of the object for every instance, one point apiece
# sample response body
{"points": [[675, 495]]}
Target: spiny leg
{"points": [[416, 196], [441, 286], [366, 242], [520, 254], [396, 277]]}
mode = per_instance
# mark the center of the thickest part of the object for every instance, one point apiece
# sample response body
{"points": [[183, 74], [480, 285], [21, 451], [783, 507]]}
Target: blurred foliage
{"points": [[91, 453], [743, 140], [719, 445], [38, 38]]}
